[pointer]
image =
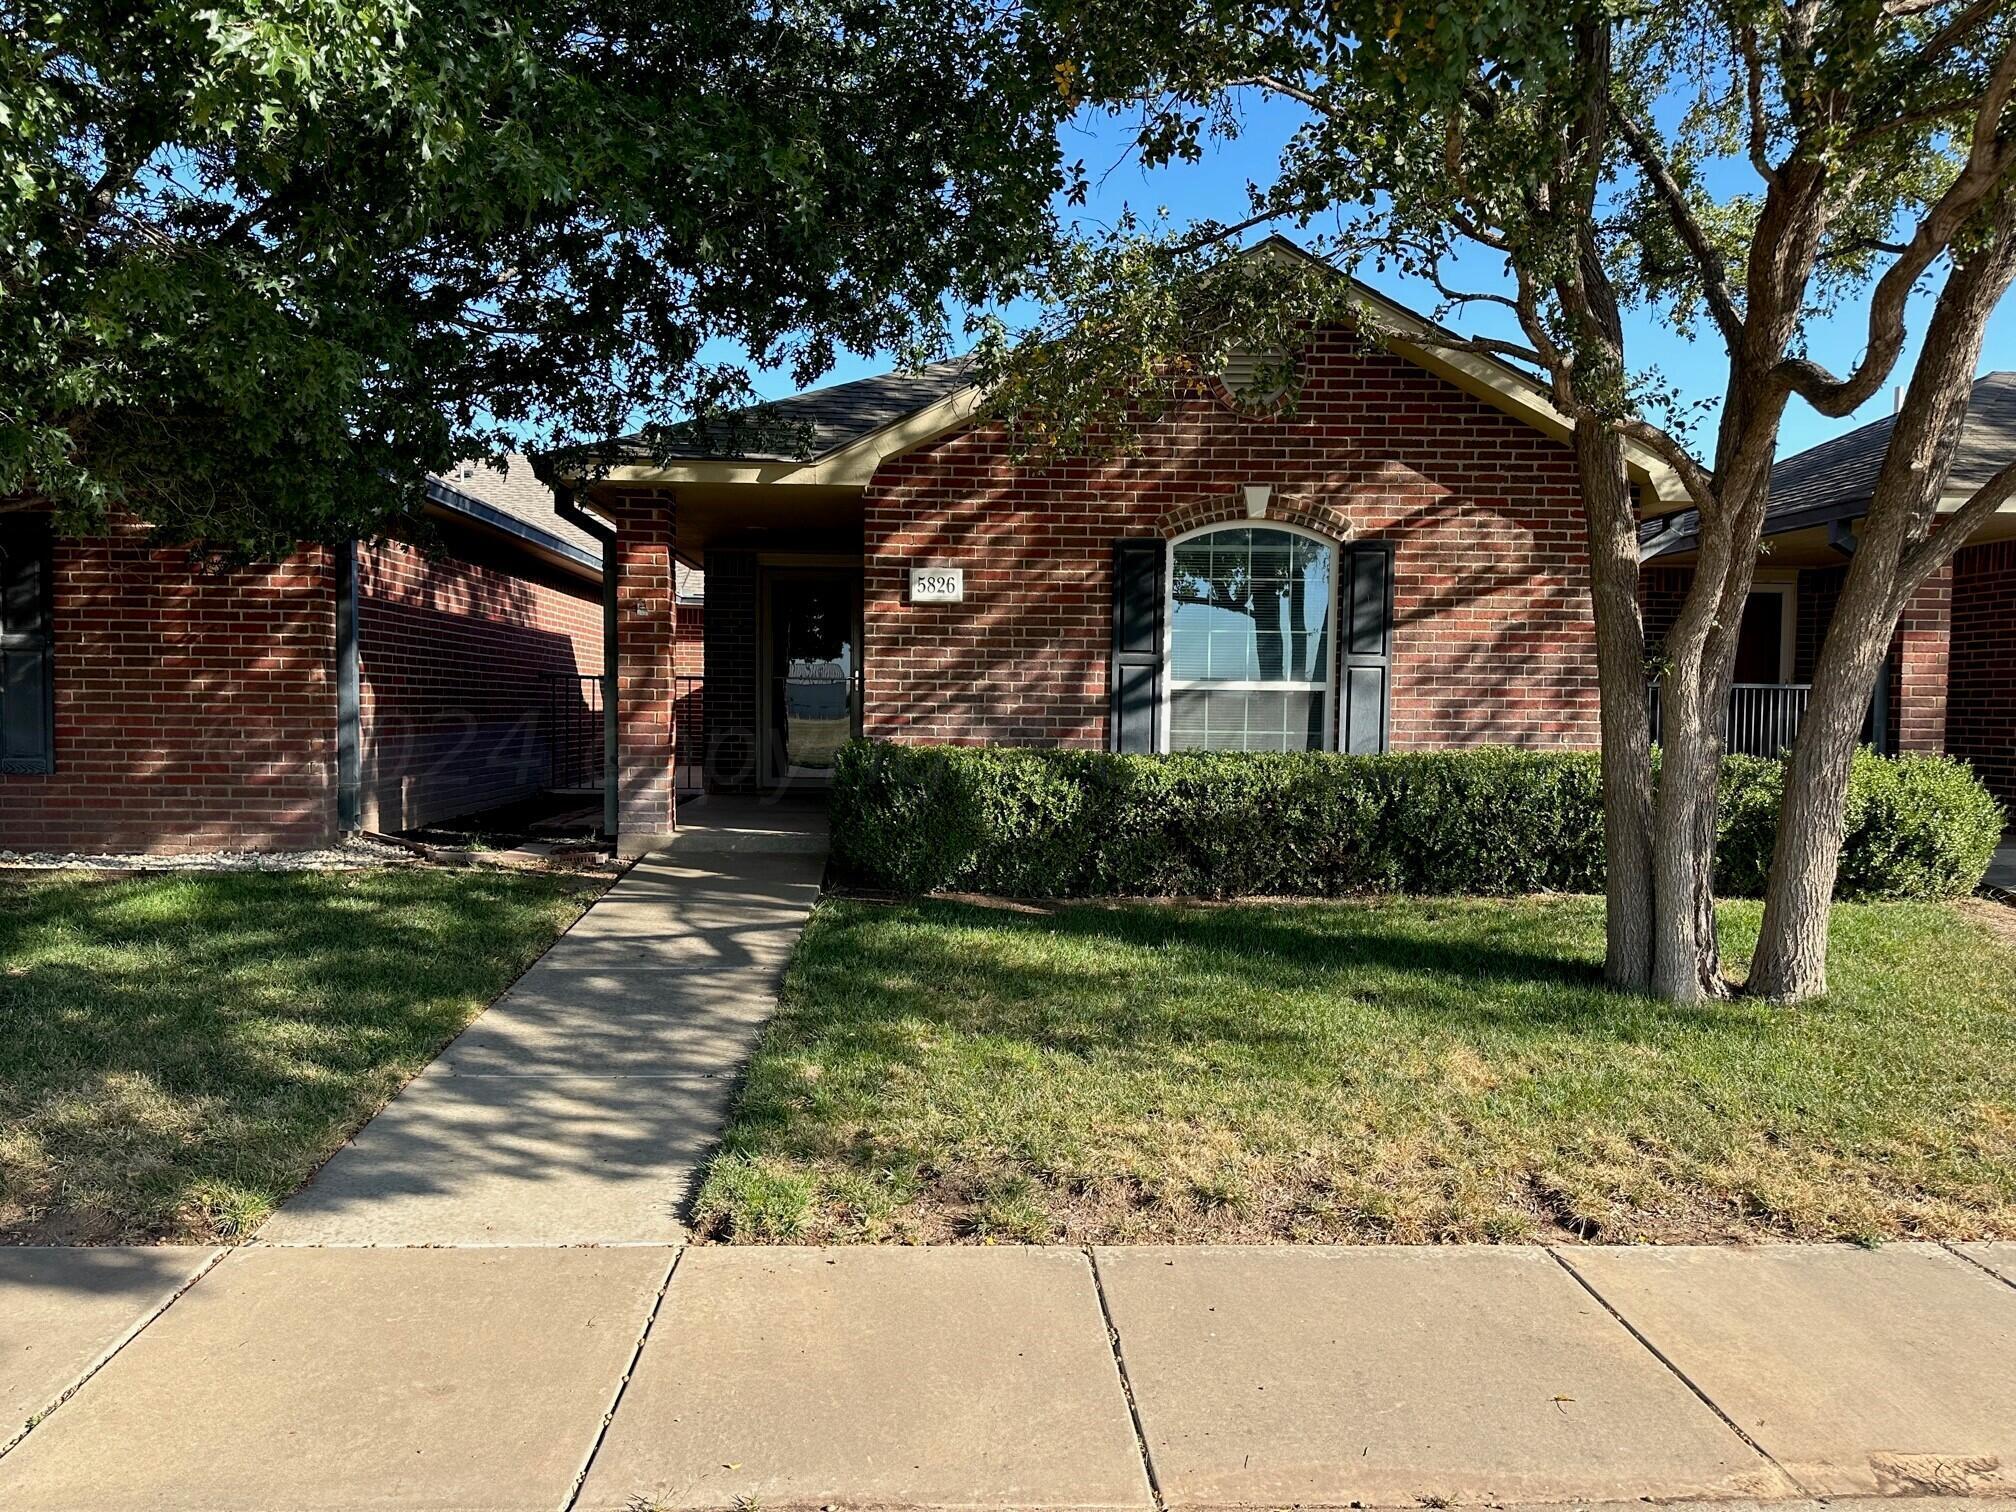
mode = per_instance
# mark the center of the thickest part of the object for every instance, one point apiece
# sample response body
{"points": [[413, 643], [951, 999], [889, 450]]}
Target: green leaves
{"points": [[264, 264], [1137, 322]]}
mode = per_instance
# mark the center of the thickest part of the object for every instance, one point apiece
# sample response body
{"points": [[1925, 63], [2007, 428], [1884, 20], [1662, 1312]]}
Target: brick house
{"points": [[153, 702], [1397, 562], [1951, 684]]}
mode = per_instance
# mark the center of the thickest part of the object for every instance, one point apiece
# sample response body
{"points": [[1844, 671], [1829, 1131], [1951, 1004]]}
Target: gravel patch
{"points": [[349, 855]]}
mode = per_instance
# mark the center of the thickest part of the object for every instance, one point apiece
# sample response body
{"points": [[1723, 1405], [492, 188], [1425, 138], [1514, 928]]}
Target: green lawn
{"points": [[1383, 1071], [178, 1052]]}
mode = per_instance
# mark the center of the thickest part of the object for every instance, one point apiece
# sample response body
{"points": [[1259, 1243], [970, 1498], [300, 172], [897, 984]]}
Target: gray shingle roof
{"points": [[514, 491], [803, 426], [1834, 480]]}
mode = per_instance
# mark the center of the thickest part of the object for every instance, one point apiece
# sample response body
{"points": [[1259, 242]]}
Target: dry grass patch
{"points": [[1380, 1071], [179, 1051]]}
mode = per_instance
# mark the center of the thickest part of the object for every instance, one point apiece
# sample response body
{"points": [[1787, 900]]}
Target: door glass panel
{"points": [[813, 664]]}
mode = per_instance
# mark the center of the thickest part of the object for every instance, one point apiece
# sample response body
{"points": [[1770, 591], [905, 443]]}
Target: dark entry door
{"points": [[1760, 639], [812, 705]]}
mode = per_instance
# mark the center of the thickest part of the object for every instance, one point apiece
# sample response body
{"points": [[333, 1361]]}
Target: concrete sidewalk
{"points": [[577, 1109], [548, 1378], [2002, 868]]}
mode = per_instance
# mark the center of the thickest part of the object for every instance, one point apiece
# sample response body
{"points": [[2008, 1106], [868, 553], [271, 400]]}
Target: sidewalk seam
{"points": [[1126, 1383], [1989, 1271], [118, 1348], [622, 1383], [1680, 1375]]}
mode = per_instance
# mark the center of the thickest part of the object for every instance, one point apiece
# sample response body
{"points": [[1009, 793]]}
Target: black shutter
{"points": [[1135, 721], [27, 699], [1365, 672]]}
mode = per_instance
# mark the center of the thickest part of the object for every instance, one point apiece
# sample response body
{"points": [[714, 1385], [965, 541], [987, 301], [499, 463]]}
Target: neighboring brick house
{"points": [[1951, 682], [1395, 563], [155, 702]]}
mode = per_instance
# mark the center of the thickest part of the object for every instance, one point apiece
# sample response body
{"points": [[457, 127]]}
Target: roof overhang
{"points": [[1400, 329], [445, 503], [849, 466], [1684, 538]]}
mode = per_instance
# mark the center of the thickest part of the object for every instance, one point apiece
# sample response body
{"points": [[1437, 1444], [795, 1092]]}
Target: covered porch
{"points": [[754, 695]]}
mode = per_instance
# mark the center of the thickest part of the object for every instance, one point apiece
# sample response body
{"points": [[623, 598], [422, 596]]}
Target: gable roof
{"points": [[803, 427], [850, 429], [1834, 480], [512, 499]]}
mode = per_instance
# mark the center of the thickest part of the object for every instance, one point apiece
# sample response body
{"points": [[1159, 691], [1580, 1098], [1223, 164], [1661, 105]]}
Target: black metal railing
{"points": [[1764, 718], [573, 730], [689, 735]]}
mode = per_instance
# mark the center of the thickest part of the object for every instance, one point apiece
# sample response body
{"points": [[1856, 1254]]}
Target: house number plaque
{"points": [[937, 585]]}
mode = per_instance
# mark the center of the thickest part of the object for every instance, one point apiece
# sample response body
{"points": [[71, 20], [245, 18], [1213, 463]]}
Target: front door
{"points": [[811, 703]]}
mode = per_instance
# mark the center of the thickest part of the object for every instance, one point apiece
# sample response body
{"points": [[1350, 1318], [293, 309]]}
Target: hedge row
{"points": [[1026, 823]]}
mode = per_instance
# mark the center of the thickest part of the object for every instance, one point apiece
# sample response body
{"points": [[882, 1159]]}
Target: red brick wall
{"points": [[1819, 591], [689, 655], [647, 635], [1918, 706], [194, 708], [1981, 695], [689, 709], [451, 648], [1492, 636]]}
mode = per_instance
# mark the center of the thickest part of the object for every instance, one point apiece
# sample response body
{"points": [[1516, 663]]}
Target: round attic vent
{"points": [[1257, 380]]}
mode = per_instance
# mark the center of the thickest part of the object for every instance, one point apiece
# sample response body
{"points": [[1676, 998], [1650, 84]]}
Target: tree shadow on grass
{"points": [[169, 1036], [1283, 994]]}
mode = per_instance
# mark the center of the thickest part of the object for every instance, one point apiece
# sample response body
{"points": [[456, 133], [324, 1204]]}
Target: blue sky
{"points": [[1216, 188]]}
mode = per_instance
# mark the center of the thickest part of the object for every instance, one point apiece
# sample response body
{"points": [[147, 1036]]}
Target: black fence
{"points": [[689, 736], [1764, 718], [573, 730]]}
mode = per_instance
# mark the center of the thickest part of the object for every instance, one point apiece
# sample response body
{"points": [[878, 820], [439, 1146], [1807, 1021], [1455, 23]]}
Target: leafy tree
{"points": [[1584, 148], [264, 264]]}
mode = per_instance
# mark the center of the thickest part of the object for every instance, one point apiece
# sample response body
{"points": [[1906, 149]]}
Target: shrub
{"points": [[1027, 823], [1916, 827]]}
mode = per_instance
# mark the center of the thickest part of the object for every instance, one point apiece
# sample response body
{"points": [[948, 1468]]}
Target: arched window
{"points": [[1251, 640]]}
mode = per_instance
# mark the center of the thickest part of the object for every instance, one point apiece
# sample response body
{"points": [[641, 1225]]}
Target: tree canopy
{"points": [[264, 264]]}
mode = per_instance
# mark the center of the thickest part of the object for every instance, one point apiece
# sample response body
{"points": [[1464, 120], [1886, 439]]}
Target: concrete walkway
{"points": [[496, 1378], [2002, 869], [578, 1107]]}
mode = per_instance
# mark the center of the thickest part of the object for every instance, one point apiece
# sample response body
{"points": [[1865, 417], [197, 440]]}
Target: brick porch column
{"points": [[1924, 640], [647, 631]]}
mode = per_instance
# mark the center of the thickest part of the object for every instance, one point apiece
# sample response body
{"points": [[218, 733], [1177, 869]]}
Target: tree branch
{"points": [[1937, 549], [1753, 93], [1707, 260], [1693, 476], [1989, 161], [1489, 346]]}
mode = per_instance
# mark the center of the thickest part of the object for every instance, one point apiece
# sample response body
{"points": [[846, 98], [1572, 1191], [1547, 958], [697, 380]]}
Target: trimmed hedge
{"points": [[1028, 823]]}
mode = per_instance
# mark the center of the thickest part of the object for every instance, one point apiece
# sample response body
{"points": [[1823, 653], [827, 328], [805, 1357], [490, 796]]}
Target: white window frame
{"points": [[1328, 688]]}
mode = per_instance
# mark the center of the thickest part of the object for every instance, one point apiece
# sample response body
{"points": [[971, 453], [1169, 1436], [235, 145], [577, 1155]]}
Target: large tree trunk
{"points": [[1791, 960], [1626, 729], [1686, 962]]}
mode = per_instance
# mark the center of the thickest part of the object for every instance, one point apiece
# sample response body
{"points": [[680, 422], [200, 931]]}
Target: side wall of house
{"points": [[1981, 691], [469, 665], [194, 708], [1492, 640]]}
